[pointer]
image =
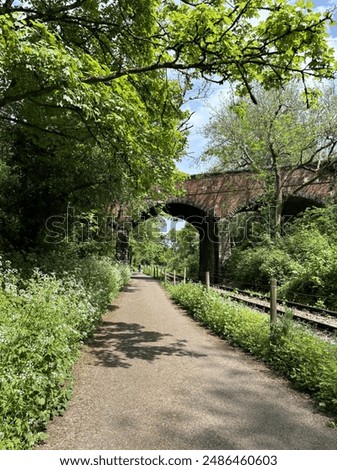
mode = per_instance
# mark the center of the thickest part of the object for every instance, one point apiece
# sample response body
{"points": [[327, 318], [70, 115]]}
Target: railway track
{"points": [[288, 303], [319, 318]]}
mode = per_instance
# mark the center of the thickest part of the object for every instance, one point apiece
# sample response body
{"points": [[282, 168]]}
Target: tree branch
{"points": [[40, 129], [319, 173]]}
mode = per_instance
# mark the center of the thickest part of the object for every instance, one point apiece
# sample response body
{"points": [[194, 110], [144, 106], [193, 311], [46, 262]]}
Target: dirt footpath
{"points": [[152, 378]]}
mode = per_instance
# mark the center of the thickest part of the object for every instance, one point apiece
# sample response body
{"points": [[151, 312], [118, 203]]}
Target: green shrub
{"points": [[102, 278], [303, 260], [42, 327], [291, 349], [41, 330], [309, 362], [101, 275], [256, 266], [314, 282]]}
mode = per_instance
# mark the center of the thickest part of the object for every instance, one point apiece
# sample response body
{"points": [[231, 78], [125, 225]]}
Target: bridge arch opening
{"points": [[250, 219], [294, 205], [205, 224]]}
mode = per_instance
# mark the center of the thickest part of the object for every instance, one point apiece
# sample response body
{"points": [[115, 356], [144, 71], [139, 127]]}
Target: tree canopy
{"points": [[90, 113], [66, 46]]}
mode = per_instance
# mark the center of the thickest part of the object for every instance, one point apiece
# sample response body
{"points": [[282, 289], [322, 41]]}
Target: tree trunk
{"points": [[278, 203]]}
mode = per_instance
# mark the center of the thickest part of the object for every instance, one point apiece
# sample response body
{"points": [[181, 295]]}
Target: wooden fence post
{"points": [[184, 275], [273, 300], [207, 279], [165, 276], [174, 277]]}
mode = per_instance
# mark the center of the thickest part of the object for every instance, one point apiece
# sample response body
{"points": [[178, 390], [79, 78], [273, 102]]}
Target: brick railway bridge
{"points": [[212, 198]]}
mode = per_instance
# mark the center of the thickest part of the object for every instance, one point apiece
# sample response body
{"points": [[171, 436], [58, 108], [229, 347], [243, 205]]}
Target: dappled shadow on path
{"points": [[144, 277], [112, 308], [242, 408], [130, 288], [117, 344]]}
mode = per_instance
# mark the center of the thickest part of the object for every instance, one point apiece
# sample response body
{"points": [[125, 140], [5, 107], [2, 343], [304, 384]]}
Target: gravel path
{"points": [[152, 378]]}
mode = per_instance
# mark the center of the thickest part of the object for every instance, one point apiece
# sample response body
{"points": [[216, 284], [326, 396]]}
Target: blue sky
{"points": [[201, 108]]}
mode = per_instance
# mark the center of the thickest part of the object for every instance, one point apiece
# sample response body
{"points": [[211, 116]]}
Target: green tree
{"points": [[92, 115], [68, 47], [184, 250], [80, 146], [58, 158], [275, 137], [147, 243]]}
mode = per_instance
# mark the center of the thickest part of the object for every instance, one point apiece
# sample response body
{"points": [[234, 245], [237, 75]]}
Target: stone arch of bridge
{"points": [[295, 204], [204, 221]]}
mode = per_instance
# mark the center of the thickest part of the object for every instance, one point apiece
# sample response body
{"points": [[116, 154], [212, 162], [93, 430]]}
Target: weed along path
{"points": [[152, 378]]}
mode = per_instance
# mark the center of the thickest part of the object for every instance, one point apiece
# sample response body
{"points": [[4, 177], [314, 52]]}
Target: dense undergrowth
{"points": [[291, 349], [304, 259], [44, 319]]}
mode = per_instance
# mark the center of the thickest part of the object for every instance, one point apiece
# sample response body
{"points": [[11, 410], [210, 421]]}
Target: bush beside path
{"points": [[44, 320]]}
